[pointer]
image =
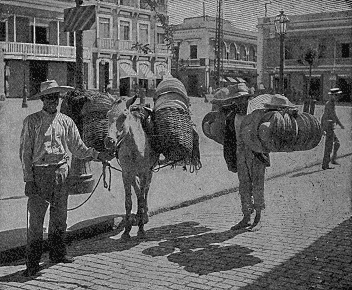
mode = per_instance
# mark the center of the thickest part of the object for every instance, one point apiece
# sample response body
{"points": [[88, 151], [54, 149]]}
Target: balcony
{"points": [[162, 49], [321, 62], [106, 44], [124, 45], [19, 50]]}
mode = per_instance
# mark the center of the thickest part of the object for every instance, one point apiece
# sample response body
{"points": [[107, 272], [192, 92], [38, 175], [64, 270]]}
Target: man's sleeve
{"points": [[26, 150], [76, 144]]}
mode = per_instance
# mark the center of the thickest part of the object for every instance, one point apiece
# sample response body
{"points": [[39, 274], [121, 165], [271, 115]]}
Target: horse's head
{"points": [[116, 119]]}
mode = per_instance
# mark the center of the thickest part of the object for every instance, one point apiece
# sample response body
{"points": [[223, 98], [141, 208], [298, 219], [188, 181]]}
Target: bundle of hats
{"points": [[91, 108], [174, 137], [231, 98], [279, 127]]}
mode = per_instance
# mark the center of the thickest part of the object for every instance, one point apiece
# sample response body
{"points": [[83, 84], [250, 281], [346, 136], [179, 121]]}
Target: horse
{"points": [[127, 135]]}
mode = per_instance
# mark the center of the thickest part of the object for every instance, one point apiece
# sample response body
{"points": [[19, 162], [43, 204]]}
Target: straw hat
{"points": [[335, 91], [171, 84], [229, 95], [50, 87], [279, 101]]}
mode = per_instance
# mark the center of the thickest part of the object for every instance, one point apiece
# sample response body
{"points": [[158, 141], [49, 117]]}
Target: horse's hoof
{"points": [[145, 219], [125, 237], [133, 220]]}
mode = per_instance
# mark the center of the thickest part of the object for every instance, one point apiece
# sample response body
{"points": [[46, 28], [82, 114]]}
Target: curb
{"points": [[116, 223]]}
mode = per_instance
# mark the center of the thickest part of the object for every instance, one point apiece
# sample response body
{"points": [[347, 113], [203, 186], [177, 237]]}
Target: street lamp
{"points": [[280, 27]]}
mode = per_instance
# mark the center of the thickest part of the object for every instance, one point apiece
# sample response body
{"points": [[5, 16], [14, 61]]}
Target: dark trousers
{"points": [[51, 190], [332, 145], [251, 174]]}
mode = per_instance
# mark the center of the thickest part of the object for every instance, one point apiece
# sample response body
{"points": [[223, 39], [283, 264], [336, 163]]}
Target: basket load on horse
{"points": [[174, 135], [138, 135]]}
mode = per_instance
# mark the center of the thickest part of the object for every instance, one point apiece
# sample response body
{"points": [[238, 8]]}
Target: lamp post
{"points": [[280, 27]]}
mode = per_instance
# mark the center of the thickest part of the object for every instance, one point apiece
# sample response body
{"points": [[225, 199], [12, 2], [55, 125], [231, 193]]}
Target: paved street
{"points": [[304, 243]]}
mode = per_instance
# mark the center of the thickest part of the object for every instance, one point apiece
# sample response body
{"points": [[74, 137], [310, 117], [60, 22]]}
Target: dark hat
{"points": [[50, 87], [213, 126], [335, 91]]}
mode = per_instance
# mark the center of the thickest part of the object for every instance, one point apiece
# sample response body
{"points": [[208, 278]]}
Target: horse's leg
{"points": [[138, 188], [148, 180], [127, 181]]}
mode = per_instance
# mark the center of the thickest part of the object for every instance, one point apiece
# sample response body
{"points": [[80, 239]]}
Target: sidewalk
{"points": [[304, 243]]}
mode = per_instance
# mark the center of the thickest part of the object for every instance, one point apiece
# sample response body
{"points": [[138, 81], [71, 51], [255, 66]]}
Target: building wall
{"points": [[325, 33], [201, 31]]}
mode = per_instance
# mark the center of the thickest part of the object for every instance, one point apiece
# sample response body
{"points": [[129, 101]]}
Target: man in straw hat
{"points": [[253, 158], [46, 137], [328, 121]]}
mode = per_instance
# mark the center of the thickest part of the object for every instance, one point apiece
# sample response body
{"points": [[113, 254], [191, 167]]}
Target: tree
{"points": [[309, 58]]}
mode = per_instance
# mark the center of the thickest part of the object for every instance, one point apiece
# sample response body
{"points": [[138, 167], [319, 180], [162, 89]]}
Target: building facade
{"points": [[327, 35], [124, 48], [194, 60]]}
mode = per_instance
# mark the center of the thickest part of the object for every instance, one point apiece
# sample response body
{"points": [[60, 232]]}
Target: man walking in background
{"points": [[328, 121]]}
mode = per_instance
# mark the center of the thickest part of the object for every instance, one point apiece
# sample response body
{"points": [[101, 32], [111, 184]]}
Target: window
{"points": [[345, 50], [41, 34], [144, 4], [160, 38], [143, 33], [104, 27], [125, 30], [2, 31], [193, 52]]}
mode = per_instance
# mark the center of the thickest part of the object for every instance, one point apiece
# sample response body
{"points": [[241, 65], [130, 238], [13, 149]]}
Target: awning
{"points": [[222, 80], [240, 80], [144, 72], [232, 80], [161, 70], [126, 71]]}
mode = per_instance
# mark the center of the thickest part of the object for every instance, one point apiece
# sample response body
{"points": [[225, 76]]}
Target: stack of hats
{"points": [[172, 121], [171, 92]]}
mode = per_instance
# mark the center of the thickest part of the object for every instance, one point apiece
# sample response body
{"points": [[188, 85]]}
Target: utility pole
{"points": [[219, 40], [79, 55]]}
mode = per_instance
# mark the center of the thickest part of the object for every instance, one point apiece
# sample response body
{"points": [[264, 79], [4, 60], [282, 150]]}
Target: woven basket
{"points": [[95, 121], [173, 133], [95, 129]]}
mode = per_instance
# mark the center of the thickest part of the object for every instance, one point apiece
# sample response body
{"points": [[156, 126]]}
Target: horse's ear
{"points": [[131, 101]]}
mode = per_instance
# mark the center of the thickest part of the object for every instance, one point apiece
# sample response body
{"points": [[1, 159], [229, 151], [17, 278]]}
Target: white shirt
{"points": [[46, 139]]}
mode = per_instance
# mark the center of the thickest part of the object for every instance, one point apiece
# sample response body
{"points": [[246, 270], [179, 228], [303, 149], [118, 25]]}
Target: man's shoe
{"points": [[31, 271], [257, 222], [327, 167], [335, 162], [244, 223], [64, 259]]}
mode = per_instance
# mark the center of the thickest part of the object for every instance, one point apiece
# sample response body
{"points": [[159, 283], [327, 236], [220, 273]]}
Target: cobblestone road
{"points": [[304, 243]]}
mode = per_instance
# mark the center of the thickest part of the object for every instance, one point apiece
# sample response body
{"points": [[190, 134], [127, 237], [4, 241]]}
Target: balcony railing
{"points": [[124, 45], [161, 49], [29, 50], [106, 43], [321, 62]]}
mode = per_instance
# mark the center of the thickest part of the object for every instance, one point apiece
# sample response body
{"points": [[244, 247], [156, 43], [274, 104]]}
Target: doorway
{"points": [[38, 73], [103, 76], [124, 86], [193, 85]]}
